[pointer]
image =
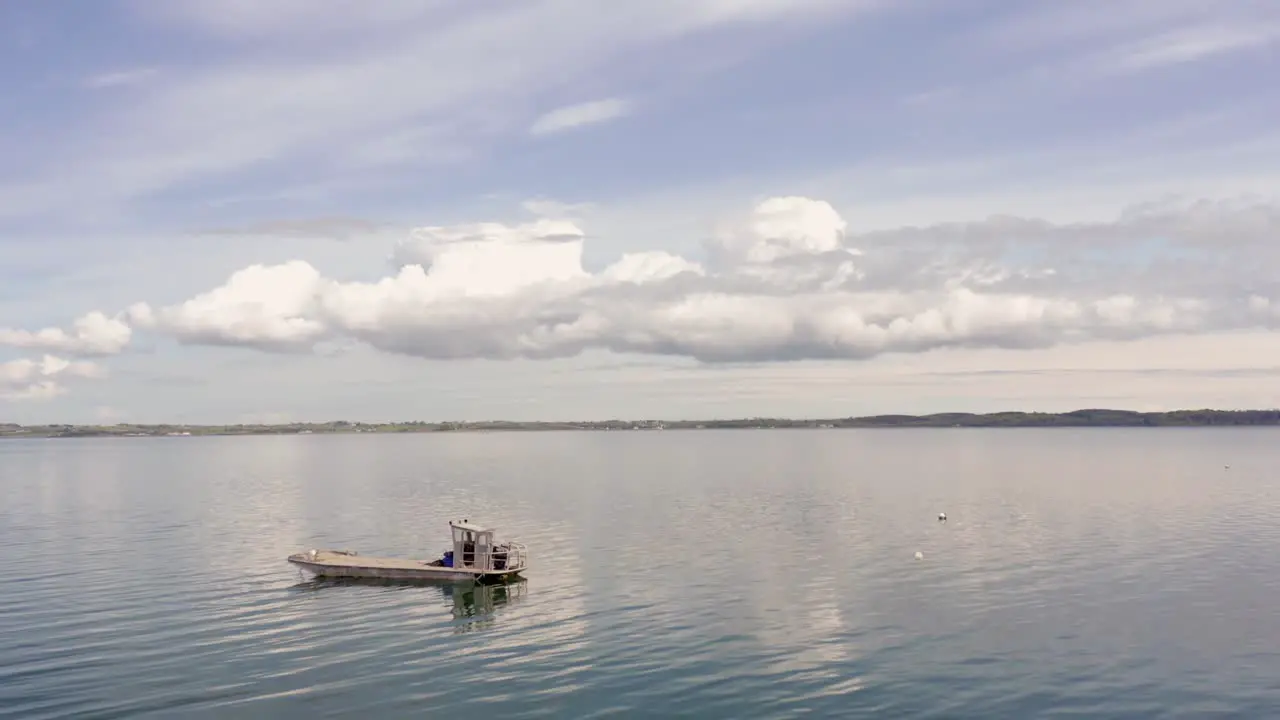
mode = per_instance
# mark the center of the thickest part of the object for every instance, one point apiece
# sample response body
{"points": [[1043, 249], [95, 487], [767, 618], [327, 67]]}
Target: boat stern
{"points": [[510, 557]]}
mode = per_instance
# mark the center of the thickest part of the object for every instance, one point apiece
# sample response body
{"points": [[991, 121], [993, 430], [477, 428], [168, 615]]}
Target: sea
{"points": [[1099, 573]]}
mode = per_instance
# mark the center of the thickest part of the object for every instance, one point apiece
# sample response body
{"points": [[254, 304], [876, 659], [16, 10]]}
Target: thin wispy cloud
{"points": [[576, 116], [321, 227], [1197, 43], [121, 78], [220, 119]]}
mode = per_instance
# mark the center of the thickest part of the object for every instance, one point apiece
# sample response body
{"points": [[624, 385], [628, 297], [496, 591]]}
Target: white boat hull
{"points": [[338, 564]]}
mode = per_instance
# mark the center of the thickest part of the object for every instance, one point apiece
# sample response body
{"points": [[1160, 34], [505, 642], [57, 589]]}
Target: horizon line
{"points": [[1093, 416]]}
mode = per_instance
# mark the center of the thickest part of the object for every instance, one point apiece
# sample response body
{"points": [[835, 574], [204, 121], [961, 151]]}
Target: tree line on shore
{"points": [[1076, 418]]}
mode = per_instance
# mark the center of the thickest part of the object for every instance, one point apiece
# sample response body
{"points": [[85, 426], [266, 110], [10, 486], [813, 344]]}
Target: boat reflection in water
{"points": [[474, 604]]}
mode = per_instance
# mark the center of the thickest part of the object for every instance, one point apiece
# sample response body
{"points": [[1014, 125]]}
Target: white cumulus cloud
{"points": [[27, 379], [270, 307], [90, 335], [783, 227], [495, 259], [783, 282]]}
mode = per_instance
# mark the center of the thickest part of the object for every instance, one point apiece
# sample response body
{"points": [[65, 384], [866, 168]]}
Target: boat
{"points": [[474, 557]]}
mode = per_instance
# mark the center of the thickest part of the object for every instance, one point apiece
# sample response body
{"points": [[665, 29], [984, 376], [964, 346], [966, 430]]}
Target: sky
{"points": [[220, 211]]}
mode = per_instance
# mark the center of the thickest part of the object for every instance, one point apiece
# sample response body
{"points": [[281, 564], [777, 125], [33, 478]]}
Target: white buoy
{"points": [[942, 517], [919, 555]]}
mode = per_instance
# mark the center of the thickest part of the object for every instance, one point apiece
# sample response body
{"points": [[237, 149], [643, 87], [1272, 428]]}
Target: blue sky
{"points": [[153, 149]]}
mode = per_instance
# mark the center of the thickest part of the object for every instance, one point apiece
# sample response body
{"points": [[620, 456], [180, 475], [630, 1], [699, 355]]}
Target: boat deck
{"points": [[337, 559]]}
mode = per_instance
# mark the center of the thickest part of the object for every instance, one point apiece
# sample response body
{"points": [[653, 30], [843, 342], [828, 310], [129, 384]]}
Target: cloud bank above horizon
{"points": [[784, 281]]}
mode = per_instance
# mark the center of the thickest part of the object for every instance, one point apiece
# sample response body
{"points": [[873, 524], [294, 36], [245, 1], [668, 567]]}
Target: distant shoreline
{"points": [[1077, 418]]}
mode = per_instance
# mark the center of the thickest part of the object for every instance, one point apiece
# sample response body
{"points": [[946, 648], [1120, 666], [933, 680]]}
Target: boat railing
{"points": [[513, 553]]}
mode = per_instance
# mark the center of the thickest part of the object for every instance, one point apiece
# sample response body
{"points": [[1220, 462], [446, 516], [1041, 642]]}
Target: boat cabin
{"points": [[474, 549]]}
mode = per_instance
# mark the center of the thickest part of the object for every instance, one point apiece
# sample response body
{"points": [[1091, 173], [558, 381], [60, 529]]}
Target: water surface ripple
{"points": [[737, 574]]}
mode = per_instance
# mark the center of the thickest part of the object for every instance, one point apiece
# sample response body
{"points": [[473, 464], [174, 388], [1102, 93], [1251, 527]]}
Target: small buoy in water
{"points": [[1228, 467], [942, 517], [919, 555]]}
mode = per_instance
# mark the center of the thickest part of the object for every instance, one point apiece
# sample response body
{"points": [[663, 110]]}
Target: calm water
{"points": [[737, 574]]}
